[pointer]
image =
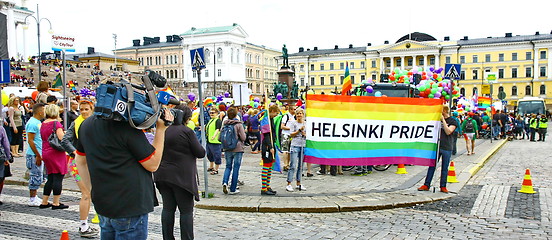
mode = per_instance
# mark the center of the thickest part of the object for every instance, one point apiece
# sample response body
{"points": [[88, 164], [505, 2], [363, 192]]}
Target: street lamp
{"points": [[26, 26], [114, 53]]}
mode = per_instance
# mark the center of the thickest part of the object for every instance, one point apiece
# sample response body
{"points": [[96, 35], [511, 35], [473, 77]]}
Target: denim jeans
{"points": [[444, 155], [257, 146], [496, 130], [36, 173], [296, 163], [233, 164], [135, 228]]}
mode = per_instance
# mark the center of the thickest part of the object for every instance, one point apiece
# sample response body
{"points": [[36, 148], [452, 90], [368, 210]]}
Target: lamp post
{"points": [[38, 20], [115, 54]]}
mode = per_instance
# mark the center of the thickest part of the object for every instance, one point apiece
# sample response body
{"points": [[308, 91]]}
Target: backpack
{"points": [[469, 126], [228, 137]]}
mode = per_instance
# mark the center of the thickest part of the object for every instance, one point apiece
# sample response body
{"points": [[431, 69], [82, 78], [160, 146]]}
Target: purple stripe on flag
{"points": [[370, 161]]}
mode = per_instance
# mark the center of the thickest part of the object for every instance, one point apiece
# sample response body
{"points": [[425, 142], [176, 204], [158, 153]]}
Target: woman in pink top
{"points": [[54, 160]]}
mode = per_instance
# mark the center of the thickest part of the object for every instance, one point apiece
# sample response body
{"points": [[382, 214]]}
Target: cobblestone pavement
{"points": [[489, 207]]}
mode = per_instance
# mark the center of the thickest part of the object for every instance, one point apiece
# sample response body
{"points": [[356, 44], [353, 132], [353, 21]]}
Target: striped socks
{"points": [[266, 175]]}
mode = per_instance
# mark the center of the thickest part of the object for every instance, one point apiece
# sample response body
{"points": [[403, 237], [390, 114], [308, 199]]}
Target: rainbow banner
{"points": [[483, 103], [360, 130]]}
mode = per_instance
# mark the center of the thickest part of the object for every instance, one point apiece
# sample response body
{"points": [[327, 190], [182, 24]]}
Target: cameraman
{"points": [[116, 161]]}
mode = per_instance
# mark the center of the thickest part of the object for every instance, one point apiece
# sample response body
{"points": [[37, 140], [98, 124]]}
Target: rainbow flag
{"points": [[361, 130], [347, 86], [483, 103]]}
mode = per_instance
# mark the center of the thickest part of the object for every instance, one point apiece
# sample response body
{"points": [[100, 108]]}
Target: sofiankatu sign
{"points": [[63, 43]]}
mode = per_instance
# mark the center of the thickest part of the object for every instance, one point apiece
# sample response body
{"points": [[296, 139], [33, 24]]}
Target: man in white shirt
{"points": [[285, 137]]}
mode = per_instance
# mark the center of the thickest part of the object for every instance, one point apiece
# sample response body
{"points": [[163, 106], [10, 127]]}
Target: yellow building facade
{"points": [[523, 63]]}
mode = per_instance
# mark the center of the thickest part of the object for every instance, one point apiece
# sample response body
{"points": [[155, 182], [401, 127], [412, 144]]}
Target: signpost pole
{"points": [[65, 100], [202, 129]]}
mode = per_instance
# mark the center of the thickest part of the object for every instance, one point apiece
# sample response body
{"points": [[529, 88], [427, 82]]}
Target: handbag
{"points": [[53, 140]]}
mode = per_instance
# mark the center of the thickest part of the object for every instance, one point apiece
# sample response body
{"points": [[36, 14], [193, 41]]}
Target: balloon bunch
{"points": [[191, 96], [432, 85], [220, 98], [464, 104], [256, 102], [85, 92], [208, 102]]}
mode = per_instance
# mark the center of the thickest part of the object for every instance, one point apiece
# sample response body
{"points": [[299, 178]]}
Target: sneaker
{"points": [[266, 192], [444, 190], [423, 188], [225, 188], [301, 188], [270, 190], [49, 205], [320, 173], [60, 206], [37, 202], [289, 188], [357, 174], [310, 175], [234, 192], [89, 233]]}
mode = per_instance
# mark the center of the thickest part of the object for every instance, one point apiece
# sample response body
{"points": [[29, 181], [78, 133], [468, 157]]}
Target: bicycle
{"points": [[375, 167]]}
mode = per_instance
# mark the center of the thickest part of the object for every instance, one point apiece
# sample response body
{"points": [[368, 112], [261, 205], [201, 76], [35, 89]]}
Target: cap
{"points": [[455, 114]]}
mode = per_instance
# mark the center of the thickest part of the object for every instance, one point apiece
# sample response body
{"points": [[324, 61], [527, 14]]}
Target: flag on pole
{"points": [[484, 103], [347, 86], [57, 82]]}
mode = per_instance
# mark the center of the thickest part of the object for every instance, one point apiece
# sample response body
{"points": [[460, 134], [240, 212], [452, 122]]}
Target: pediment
{"points": [[408, 45]]}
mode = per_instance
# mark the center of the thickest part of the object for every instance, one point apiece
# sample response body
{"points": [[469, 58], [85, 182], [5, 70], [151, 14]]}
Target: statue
{"points": [[285, 56], [295, 90], [284, 91], [276, 88]]}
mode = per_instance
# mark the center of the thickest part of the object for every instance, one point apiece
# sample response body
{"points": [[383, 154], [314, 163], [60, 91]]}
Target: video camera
{"points": [[137, 104]]}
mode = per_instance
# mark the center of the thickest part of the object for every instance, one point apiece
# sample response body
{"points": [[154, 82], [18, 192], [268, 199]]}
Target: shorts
{"points": [[214, 153], [469, 136], [286, 142], [35, 172]]}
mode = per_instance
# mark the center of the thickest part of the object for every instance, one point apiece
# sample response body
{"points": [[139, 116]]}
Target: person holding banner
{"points": [[267, 149], [448, 125], [298, 136]]}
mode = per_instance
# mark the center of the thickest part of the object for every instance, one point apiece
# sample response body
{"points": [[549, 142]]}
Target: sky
{"points": [[297, 23]]}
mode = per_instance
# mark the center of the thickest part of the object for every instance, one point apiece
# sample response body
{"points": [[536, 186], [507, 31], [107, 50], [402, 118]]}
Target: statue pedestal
{"points": [[286, 76]]}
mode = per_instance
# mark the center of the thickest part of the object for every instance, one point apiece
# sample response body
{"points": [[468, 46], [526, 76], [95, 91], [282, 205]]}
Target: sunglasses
{"points": [[212, 112]]}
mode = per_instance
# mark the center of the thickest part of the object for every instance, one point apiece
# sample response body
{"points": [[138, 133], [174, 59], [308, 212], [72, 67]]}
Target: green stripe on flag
{"points": [[370, 146]]}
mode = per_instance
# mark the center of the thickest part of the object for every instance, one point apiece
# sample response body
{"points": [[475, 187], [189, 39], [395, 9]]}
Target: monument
{"points": [[286, 84]]}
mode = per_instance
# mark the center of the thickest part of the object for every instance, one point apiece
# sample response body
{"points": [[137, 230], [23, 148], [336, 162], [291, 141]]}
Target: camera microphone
{"points": [[165, 98]]}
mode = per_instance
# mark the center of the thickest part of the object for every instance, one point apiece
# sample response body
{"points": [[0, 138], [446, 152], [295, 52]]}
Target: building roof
{"points": [[96, 54], [417, 36], [491, 40], [220, 29], [329, 51], [153, 45]]}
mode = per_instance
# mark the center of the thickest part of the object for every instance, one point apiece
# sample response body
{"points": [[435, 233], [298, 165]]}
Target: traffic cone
{"points": [[451, 178], [527, 185], [64, 235], [96, 219], [401, 169]]}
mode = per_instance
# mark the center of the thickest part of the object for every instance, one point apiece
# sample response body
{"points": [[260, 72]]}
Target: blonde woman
{"points": [[16, 125]]}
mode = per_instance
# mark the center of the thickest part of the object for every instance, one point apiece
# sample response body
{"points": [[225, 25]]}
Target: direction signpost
{"points": [[491, 77], [198, 63], [4, 76], [64, 44], [452, 72]]}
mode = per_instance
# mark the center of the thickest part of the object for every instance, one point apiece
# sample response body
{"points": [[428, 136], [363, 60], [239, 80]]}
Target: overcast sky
{"points": [[297, 23]]}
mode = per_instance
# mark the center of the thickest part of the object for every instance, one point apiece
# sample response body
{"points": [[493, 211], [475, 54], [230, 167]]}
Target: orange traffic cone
{"points": [[451, 178], [64, 235], [527, 185], [401, 169]]}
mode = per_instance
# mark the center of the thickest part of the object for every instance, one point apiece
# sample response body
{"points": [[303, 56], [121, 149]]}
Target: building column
{"points": [[392, 64], [437, 62], [382, 66], [402, 63], [425, 62], [12, 41]]}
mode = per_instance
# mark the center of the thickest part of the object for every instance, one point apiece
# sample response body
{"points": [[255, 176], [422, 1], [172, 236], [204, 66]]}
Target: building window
{"points": [[432, 61], [219, 73], [331, 66], [352, 79], [312, 81], [259, 88], [462, 75], [501, 73], [474, 58], [447, 60], [514, 91], [238, 56], [514, 72], [341, 65], [542, 54], [501, 57], [342, 77], [167, 74], [543, 71], [175, 73], [528, 72], [409, 62], [399, 62], [302, 81], [474, 74], [421, 62], [258, 74], [487, 57], [362, 65], [352, 65], [373, 63], [374, 76], [462, 59], [463, 91], [527, 55], [219, 54], [332, 80], [322, 81], [514, 56], [206, 73], [301, 68], [388, 63], [474, 91], [362, 78], [322, 67], [194, 74], [501, 89], [542, 90], [312, 67], [528, 90]]}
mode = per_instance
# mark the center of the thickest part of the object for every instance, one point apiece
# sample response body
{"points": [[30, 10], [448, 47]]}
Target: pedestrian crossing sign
{"points": [[197, 56]]}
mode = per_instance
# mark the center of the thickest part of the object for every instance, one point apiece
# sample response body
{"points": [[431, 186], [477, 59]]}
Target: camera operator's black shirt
{"points": [[121, 187]]}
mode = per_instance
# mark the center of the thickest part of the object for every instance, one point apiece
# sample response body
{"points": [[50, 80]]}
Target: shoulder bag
{"points": [[53, 139]]}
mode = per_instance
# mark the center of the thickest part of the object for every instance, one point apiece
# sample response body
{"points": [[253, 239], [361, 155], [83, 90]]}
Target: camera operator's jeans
{"points": [[296, 163], [496, 130], [444, 155], [135, 228], [233, 164]]}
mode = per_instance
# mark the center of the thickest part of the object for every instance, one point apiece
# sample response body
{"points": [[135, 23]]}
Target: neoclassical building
{"points": [[523, 63], [15, 19], [229, 59]]}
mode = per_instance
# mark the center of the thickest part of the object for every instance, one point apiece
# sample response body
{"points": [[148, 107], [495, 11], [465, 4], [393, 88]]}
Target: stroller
{"points": [[485, 131]]}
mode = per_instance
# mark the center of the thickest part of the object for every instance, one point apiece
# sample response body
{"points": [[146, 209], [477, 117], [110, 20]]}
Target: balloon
{"points": [[6, 97], [251, 103], [255, 104], [256, 99], [369, 89], [245, 117], [431, 96], [226, 94], [392, 78], [191, 96], [377, 94], [279, 96], [208, 102], [431, 69], [56, 69], [33, 95]]}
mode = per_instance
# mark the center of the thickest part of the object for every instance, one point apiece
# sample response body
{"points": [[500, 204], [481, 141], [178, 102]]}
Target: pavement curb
{"points": [[484, 160]]}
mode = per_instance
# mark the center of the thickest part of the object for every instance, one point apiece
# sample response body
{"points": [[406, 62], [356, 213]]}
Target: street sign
{"points": [[452, 71], [5, 71], [197, 56], [486, 89], [502, 95], [491, 77], [63, 43]]}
